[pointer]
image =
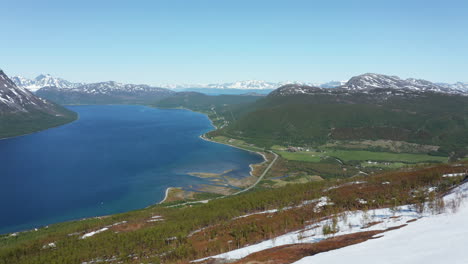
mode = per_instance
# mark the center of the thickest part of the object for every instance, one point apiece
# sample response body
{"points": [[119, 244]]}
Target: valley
{"points": [[234, 132], [343, 166]]}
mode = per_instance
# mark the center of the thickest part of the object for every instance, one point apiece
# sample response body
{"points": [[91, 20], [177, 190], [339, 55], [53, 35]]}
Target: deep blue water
{"points": [[113, 159]]}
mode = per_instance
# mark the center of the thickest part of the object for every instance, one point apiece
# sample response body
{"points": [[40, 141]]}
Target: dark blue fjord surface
{"points": [[113, 159]]}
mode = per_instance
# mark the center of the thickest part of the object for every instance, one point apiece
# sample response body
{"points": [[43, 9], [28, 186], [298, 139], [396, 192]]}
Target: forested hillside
{"points": [[322, 115], [222, 109]]}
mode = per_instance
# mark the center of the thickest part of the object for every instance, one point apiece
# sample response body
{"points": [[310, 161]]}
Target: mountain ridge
{"points": [[374, 80], [376, 83], [43, 80], [109, 92], [250, 85], [15, 99], [22, 112]]}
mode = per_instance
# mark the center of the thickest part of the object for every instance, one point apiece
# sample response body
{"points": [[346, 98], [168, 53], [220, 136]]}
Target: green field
{"points": [[308, 156], [398, 159], [350, 155], [301, 156]]}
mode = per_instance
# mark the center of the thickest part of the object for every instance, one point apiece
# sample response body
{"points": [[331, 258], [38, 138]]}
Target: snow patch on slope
{"points": [[443, 226], [435, 239]]}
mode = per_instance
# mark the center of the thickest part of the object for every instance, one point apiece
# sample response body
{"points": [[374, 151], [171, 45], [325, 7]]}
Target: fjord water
{"points": [[112, 159]]}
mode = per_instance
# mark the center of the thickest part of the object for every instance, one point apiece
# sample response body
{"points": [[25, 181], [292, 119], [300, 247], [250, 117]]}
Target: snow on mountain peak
{"points": [[43, 80], [370, 81], [252, 85], [17, 99]]}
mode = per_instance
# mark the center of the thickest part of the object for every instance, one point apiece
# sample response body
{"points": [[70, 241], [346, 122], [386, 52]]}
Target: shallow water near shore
{"points": [[114, 158]]}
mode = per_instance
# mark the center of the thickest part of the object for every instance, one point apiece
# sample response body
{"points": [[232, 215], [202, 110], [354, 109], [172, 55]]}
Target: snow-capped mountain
{"points": [[241, 85], [366, 81], [104, 92], [22, 82], [462, 86], [43, 80], [245, 85], [115, 87], [14, 99], [331, 84], [251, 85], [370, 81]]}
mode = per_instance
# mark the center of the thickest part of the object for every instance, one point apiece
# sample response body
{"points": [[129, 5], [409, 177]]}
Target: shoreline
{"points": [[166, 195], [250, 165], [168, 190], [203, 137]]}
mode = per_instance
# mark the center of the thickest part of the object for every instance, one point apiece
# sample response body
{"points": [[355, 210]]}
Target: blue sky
{"points": [[207, 41]]}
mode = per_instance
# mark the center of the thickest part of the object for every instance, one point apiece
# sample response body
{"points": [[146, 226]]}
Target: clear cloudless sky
{"points": [[207, 41]]}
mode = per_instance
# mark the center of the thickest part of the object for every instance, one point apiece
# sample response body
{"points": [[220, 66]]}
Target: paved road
{"points": [[244, 190], [261, 176]]}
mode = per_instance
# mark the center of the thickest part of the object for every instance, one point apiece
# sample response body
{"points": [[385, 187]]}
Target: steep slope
{"points": [[22, 112], [104, 93]]}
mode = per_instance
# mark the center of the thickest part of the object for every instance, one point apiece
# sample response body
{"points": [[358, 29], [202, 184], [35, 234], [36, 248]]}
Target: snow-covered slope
{"points": [[371, 81], [15, 99], [462, 86], [43, 80], [435, 239], [423, 237]]}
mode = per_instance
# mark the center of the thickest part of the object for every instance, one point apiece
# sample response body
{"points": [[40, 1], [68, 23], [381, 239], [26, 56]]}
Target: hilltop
{"points": [[365, 108]]}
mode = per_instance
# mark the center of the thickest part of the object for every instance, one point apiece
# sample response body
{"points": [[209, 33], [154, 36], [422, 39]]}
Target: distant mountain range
{"points": [[46, 80], [367, 107], [250, 85], [43, 80], [15, 99], [104, 93], [371, 81], [463, 86], [23, 112], [365, 81]]}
